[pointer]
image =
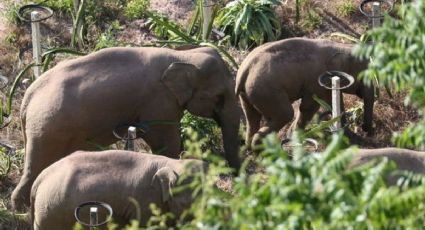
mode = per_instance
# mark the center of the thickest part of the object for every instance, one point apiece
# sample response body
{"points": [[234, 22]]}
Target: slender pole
{"points": [[93, 217], [376, 11], [131, 137], [76, 4], [336, 102], [36, 51], [207, 13]]}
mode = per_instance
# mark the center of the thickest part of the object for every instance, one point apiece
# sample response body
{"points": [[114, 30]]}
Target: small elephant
{"points": [[276, 74], [111, 177], [77, 104], [405, 159]]}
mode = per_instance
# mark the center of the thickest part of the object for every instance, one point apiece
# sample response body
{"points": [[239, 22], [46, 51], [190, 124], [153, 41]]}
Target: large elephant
{"points": [[81, 177], [276, 74], [405, 159], [77, 104]]}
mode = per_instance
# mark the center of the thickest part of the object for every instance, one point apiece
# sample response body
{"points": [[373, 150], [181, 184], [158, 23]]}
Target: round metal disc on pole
{"points": [[285, 143], [24, 13], [131, 137], [385, 7], [376, 11], [325, 80], [36, 44], [336, 102], [93, 217], [94, 206]]}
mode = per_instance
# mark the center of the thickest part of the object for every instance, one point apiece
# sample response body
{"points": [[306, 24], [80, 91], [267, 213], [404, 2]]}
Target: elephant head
{"points": [[205, 88], [164, 180], [343, 60]]}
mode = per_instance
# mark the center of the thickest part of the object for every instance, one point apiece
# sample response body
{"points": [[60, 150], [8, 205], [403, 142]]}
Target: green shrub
{"points": [[63, 6], [107, 39], [136, 8], [397, 61], [205, 129], [312, 191], [5, 163], [346, 8], [309, 191], [311, 20], [249, 22]]}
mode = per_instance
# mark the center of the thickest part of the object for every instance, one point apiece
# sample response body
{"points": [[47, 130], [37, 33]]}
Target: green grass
{"points": [[311, 20], [135, 8], [346, 8]]}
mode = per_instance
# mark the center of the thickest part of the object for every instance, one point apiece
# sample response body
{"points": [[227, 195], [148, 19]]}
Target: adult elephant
{"points": [[77, 104], [404, 159], [276, 74], [78, 178]]}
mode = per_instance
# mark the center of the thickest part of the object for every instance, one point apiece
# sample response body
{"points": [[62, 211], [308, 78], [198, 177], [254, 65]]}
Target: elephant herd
{"points": [[76, 105]]}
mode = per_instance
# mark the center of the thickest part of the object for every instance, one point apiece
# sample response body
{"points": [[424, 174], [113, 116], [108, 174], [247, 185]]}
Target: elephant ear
{"points": [[165, 179], [180, 79], [338, 61]]}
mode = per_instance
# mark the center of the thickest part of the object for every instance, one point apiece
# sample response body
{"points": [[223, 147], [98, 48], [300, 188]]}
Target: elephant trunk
{"points": [[368, 98], [229, 118]]}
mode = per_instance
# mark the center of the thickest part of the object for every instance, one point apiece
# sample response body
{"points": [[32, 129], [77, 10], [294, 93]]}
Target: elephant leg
{"points": [[308, 108], [40, 152], [276, 114], [164, 139], [253, 118], [342, 107]]}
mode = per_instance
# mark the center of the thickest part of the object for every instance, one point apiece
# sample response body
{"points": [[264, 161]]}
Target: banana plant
{"points": [[249, 22], [180, 36]]}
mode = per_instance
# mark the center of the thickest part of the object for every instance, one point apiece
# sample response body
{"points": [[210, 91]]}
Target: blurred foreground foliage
{"points": [[397, 60], [309, 191]]}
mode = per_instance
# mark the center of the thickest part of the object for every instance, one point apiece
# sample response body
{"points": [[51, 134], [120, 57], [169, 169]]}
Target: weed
{"points": [[10, 13], [204, 127], [136, 8], [311, 20], [5, 163], [346, 8], [63, 6], [107, 38]]}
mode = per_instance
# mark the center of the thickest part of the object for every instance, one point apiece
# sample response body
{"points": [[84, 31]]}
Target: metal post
{"points": [[336, 102], [131, 137], [36, 51], [207, 12], [376, 11], [93, 217]]}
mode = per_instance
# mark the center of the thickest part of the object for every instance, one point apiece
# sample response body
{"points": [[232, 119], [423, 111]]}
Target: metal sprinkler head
{"points": [[24, 12], [383, 4], [325, 80], [94, 206]]}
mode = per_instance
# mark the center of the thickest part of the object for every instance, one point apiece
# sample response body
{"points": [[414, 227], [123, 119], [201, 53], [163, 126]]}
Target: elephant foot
{"points": [[368, 129], [20, 199]]}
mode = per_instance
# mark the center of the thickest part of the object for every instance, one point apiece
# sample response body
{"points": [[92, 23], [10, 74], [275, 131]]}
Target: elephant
{"points": [[77, 104], [405, 159], [276, 74], [81, 177]]}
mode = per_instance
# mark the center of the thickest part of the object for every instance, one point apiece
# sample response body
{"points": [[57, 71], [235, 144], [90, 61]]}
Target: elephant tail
{"points": [[241, 77], [32, 202]]}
